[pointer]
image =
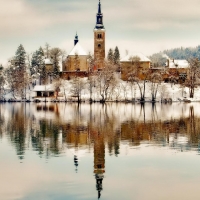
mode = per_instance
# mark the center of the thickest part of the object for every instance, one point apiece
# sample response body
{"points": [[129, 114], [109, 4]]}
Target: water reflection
{"points": [[50, 129]]}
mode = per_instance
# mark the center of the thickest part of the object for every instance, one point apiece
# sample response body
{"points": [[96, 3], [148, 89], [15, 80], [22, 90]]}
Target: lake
{"points": [[112, 151]]}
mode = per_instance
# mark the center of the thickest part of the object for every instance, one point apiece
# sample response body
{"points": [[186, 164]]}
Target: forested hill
{"points": [[160, 59], [183, 53]]}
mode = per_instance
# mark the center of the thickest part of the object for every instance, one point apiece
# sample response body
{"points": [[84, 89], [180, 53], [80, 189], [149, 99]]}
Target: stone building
{"points": [[76, 62], [99, 40], [135, 61]]}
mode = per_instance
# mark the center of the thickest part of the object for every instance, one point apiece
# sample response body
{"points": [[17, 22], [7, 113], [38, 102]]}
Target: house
{"points": [[44, 90], [178, 69], [134, 61]]}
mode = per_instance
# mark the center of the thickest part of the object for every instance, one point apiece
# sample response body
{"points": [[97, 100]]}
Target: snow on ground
{"points": [[175, 92]]}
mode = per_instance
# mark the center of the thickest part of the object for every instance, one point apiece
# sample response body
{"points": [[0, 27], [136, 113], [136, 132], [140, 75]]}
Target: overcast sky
{"points": [[145, 26]]}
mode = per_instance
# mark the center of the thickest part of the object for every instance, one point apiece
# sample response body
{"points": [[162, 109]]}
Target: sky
{"points": [[146, 26]]}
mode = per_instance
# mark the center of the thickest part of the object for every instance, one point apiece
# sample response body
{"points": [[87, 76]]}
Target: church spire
{"points": [[99, 11], [99, 18], [76, 39]]}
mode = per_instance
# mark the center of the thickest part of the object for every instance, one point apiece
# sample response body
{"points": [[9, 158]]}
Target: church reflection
{"points": [[47, 131]]}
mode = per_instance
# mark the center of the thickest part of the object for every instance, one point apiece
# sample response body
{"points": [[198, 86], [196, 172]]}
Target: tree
{"points": [[47, 50], [20, 71], [116, 56], [2, 82], [20, 57], [105, 79], [91, 77], [78, 85], [124, 87], [110, 56], [136, 74], [155, 79], [193, 77], [158, 60], [12, 79], [55, 55], [38, 65]]}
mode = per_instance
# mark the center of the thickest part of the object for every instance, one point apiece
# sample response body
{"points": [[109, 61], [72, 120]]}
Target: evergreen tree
{"points": [[116, 56], [110, 56], [55, 54], [20, 57], [20, 71], [38, 64]]}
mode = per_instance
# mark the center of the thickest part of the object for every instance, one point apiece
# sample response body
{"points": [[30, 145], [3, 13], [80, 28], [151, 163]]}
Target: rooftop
{"points": [[77, 49], [142, 57]]}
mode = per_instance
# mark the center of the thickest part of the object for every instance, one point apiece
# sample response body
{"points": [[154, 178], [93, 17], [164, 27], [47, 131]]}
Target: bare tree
{"points": [[193, 78], [2, 82], [105, 78], [91, 75], [136, 74], [155, 79], [47, 50], [163, 92], [78, 84], [124, 87]]}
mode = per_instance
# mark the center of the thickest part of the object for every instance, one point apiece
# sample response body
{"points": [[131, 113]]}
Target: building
{"points": [[99, 40], [135, 61], [76, 63], [178, 69]]}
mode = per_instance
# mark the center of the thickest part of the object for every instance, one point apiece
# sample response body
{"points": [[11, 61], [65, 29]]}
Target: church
{"points": [[77, 62]]}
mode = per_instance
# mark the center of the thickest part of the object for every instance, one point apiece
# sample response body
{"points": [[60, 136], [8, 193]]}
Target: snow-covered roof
{"points": [[40, 88], [77, 49], [47, 61], [142, 57], [178, 64]]}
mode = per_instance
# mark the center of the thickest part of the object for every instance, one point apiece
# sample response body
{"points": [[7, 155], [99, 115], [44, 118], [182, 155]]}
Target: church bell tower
{"points": [[99, 39]]}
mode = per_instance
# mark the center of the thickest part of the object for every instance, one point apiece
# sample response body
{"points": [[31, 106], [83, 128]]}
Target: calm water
{"points": [[115, 151]]}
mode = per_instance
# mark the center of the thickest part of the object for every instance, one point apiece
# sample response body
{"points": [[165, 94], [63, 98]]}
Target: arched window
{"points": [[99, 45], [99, 35]]}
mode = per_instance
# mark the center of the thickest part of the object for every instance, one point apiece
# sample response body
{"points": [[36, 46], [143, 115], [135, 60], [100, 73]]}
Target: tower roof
{"points": [[99, 10], [77, 49], [99, 18]]}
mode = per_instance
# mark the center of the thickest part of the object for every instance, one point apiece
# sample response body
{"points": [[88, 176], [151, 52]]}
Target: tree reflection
{"points": [[49, 130]]}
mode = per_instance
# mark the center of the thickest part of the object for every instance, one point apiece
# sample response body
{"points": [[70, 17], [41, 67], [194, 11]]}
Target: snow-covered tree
{"points": [[193, 77], [2, 82], [20, 57], [38, 65], [19, 71], [155, 81], [55, 55], [105, 79], [91, 77], [110, 56], [47, 50], [78, 84], [116, 56]]}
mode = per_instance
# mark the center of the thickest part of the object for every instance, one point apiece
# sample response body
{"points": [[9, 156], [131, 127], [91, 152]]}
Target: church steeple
{"points": [[99, 11], [76, 39], [99, 19], [99, 40]]}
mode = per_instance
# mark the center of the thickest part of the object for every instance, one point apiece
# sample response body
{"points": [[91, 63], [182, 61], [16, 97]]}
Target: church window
{"points": [[99, 166], [99, 45], [99, 35]]}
